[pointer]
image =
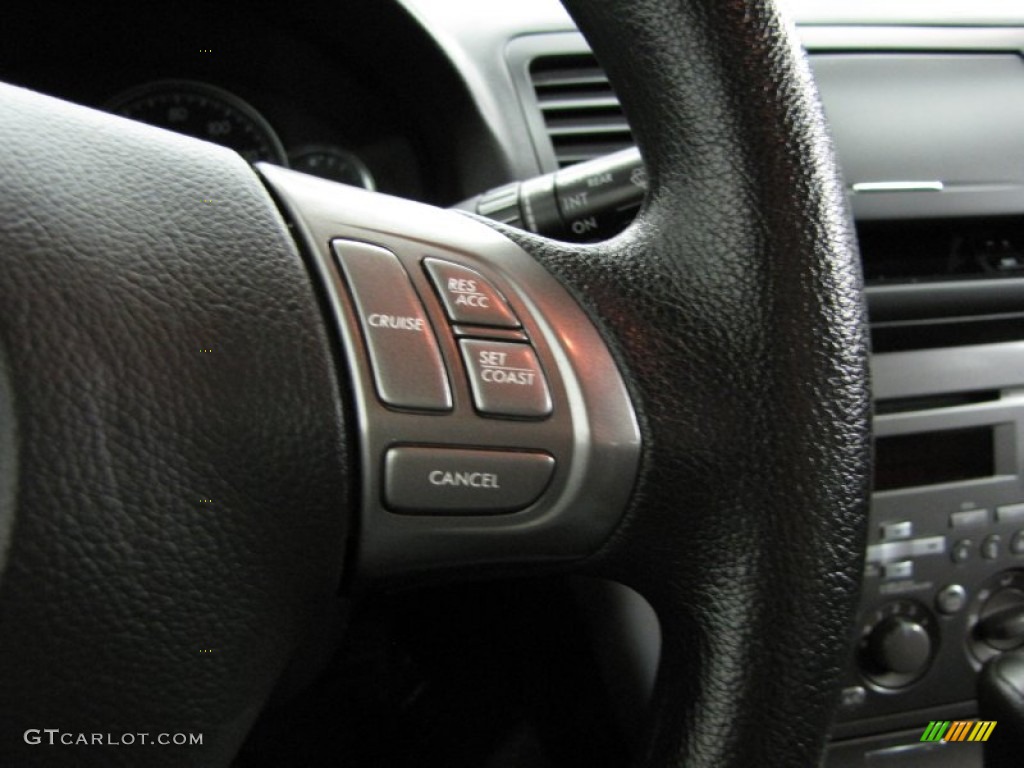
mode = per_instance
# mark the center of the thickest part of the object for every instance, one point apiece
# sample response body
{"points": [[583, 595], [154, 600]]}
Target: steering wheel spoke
{"points": [[494, 426]]}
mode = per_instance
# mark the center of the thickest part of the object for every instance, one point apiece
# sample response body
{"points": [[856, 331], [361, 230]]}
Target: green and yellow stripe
{"points": [[958, 730]]}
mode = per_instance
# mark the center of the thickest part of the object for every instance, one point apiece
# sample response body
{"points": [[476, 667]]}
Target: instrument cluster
{"points": [[212, 113]]}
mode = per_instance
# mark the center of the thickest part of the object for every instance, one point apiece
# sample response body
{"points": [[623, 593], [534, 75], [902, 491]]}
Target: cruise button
{"points": [[506, 379], [456, 481], [407, 366], [467, 296]]}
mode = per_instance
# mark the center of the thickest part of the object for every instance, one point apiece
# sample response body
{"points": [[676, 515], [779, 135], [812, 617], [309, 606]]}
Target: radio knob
{"points": [[1001, 622], [995, 619], [900, 645]]}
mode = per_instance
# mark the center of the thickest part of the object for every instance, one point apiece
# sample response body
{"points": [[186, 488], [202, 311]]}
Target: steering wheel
{"points": [[203, 434]]}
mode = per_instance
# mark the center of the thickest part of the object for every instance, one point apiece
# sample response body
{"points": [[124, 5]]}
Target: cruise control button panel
{"points": [[467, 296], [407, 366], [489, 422], [450, 481], [506, 379]]}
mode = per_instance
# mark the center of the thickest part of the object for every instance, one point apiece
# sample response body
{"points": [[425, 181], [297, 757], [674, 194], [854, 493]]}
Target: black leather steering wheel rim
{"points": [[734, 303], [158, 504]]}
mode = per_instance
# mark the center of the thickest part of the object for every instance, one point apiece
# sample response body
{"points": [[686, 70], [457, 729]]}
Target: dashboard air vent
{"points": [[942, 249], [943, 282], [582, 116]]}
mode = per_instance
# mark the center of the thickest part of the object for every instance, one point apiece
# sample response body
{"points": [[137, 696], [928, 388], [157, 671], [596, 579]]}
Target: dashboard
{"points": [[316, 90], [439, 101], [927, 108]]}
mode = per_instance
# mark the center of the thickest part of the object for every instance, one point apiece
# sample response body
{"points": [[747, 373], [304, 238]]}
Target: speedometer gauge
{"points": [[203, 111], [334, 163]]}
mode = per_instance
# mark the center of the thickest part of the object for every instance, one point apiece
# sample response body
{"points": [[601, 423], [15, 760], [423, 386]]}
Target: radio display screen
{"points": [[928, 458]]}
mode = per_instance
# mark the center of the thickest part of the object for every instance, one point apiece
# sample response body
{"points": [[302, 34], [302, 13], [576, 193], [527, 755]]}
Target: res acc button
{"points": [[457, 481], [467, 296]]}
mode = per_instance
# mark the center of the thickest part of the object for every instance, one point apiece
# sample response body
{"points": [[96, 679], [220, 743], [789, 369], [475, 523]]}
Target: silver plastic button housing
{"points": [[591, 434]]}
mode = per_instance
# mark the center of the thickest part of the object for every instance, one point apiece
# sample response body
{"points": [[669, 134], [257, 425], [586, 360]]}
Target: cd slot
{"points": [[949, 333], [934, 402]]}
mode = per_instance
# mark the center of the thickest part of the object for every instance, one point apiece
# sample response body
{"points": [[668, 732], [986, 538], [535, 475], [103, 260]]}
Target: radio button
{"points": [[1011, 513], [961, 551], [971, 518], [933, 545], [951, 599], [1017, 543], [897, 531], [880, 553], [990, 547], [853, 697], [904, 569], [898, 550]]}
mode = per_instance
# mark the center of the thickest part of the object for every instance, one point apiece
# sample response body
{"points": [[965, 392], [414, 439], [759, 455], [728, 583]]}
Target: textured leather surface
{"points": [[1001, 698], [734, 307], [124, 252]]}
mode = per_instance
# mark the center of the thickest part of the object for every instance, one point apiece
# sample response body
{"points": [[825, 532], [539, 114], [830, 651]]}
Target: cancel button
{"points": [[456, 481], [464, 479]]}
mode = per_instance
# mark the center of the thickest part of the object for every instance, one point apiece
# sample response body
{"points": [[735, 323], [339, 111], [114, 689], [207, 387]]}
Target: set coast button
{"points": [[406, 362], [506, 379], [467, 296], [459, 481]]}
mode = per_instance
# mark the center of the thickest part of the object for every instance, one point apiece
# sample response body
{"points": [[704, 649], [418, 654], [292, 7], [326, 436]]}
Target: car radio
{"points": [[944, 566]]}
